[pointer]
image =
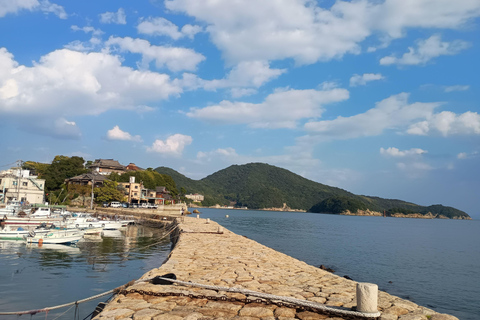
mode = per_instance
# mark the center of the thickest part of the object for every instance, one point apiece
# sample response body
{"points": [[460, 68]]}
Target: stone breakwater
{"points": [[209, 254]]}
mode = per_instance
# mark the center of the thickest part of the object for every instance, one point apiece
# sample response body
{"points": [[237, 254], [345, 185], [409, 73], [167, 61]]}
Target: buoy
{"points": [[40, 242], [226, 216]]}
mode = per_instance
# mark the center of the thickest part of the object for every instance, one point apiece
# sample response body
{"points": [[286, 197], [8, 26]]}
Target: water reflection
{"points": [[48, 275]]}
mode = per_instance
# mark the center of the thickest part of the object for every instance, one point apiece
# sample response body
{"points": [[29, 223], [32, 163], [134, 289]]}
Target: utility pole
{"points": [[93, 183]]}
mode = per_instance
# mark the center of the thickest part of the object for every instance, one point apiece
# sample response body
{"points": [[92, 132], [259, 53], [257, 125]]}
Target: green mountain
{"points": [[260, 186]]}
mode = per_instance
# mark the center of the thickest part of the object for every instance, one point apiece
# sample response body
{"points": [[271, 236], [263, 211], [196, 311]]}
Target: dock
{"points": [[205, 253]]}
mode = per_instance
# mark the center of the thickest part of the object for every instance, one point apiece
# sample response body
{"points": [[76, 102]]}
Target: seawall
{"points": [[206, 253]]}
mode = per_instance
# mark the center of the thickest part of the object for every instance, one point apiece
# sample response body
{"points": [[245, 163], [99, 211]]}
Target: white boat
{"points": [[18, 233], [13, 208], [32, 221], [65, 236], [84, 220]]}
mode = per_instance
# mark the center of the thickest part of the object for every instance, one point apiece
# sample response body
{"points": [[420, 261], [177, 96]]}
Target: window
{"points": [[14, 183], [24, 184], [136, 187]]}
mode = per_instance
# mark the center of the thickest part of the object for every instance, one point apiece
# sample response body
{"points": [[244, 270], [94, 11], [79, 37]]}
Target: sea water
{"points": [[434, 263], [34, 277]]}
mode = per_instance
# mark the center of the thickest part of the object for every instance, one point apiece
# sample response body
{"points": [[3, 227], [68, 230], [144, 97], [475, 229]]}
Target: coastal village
{"points": [[22, 185]]}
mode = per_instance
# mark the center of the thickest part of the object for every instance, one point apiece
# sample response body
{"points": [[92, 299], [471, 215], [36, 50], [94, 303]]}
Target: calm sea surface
{"points": [[33, 277], [435, 263]]}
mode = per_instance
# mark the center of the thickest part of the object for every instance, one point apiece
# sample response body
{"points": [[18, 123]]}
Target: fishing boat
{"points": [[65, 236], [18, 233]]}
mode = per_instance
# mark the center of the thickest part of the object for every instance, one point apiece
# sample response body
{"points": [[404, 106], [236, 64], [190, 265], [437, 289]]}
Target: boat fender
{"points": [[103, 225], [77, 225], [90, 225], [31, 233]]}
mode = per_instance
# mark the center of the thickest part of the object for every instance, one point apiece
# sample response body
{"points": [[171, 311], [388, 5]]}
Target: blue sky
{"points": [[377, 97]]}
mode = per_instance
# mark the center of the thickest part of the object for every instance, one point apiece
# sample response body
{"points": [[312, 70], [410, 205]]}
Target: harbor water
{"points": [[34, 277], [434, 263]]}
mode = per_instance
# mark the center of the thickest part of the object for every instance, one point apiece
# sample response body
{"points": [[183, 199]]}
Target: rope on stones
{"points": [[310, 304]]}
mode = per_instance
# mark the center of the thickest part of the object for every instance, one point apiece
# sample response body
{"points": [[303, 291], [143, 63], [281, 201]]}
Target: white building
{"points": [[195, 197], [17, 184]]}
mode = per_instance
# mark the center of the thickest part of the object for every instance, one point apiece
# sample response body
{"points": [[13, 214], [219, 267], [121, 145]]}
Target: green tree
{"points": [[62, 168], [108, 192]]}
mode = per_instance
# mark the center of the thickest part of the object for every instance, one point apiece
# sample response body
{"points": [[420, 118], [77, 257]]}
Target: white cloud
{"points": [[90, 45], [465, 155], [414, 168], [117, 134], [302, 30], [67, 83], [462, 155], [242, 79], [227, 153], [282, 109], [118, 17], [14, 6], [162, 27], [448, 123], [361, 80], [395, 152], [456, 88], [172, 146], [47, 7], [245, 74], [87, 29], [392, 113], [426, 50], [174, 58]]}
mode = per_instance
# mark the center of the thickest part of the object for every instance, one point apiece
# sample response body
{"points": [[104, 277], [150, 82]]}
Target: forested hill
{"points": [[259, 186]]}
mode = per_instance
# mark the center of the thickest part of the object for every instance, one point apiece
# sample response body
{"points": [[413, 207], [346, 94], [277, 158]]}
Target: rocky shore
{"points": [[429, 215], [206, 253]]}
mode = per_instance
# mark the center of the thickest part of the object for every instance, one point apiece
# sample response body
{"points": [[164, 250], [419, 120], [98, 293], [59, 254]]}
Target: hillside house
{"points": [[107, 166]]}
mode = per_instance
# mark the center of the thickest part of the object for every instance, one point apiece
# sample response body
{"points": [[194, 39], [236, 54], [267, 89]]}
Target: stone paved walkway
{"points": [[203, 255]]}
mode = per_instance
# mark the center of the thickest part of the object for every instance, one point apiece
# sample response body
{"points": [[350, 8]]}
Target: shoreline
{"points": [[366, 213]]}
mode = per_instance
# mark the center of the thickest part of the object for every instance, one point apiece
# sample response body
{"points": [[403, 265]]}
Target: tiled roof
{"points": [[107, 163]]}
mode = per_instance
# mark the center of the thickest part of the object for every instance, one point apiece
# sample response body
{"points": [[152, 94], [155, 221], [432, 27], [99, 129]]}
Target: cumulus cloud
{"points": [[162, 27], [426, 50], [447, 123], [465, 155], [304, 31], [242, 80], [118, 17], [456, 88], [117, 134], [281, 109], [67, 83], [391, 113], [47, 7], [172, 146], [361, 80], [174, 58], [395, 152], [14, 6]]}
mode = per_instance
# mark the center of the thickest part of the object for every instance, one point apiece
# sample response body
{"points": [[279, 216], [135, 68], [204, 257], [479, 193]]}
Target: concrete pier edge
{"points": [[207, 253]]}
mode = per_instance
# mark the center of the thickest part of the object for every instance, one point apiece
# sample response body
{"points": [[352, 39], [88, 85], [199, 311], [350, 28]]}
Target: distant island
{"points": [[266, 187]]}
